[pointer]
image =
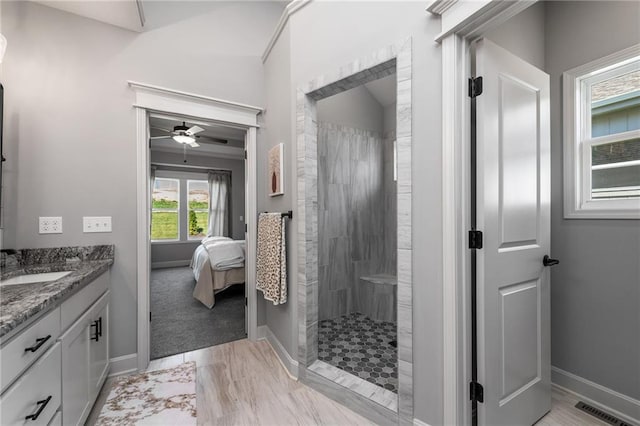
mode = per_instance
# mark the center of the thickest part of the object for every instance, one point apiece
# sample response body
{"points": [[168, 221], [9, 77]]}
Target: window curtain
{"points": [[219, 203], [152, 182], [152, 179]]}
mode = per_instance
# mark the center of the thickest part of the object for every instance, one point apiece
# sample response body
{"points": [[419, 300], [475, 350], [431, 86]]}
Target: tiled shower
{"points": [[357, 245]]}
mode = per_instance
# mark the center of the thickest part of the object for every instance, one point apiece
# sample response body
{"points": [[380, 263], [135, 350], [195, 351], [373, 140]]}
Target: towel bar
{"points": [[288, 214]]}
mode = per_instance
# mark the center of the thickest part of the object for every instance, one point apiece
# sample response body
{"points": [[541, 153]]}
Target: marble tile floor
{"points": [[243, 383], [226, 374], [362, 347], [166, 396], [564, 413]]}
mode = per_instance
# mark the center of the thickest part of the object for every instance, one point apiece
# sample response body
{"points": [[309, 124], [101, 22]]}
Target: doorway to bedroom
{"points": [[197, 234]]}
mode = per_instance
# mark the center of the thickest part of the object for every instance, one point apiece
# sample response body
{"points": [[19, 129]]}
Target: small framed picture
{"points": [[276, 174]]}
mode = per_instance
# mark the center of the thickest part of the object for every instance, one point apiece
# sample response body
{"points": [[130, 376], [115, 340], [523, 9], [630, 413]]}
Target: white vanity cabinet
{"points": [[85, 349], [59, 381], [99, 347], [35, 397], [85, 361]]}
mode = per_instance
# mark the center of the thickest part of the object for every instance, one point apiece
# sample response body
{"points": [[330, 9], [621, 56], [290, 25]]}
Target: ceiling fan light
{"points": [[183, 139]]}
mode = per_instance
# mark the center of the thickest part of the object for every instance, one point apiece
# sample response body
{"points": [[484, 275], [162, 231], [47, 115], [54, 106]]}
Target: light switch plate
{"points": [[50, 225], [96, 224]]}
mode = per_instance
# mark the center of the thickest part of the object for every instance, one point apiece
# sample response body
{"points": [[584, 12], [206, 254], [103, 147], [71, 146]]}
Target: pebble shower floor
{"points": [[361, 346]]}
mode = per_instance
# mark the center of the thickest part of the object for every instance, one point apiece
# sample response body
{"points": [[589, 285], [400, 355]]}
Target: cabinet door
{"points": [[99, 345], [76, 401]]}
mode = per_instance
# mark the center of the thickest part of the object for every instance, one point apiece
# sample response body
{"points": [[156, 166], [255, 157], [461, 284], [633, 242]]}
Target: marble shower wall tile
{"points": [[352, 214], [377, 297], [390, 202]]}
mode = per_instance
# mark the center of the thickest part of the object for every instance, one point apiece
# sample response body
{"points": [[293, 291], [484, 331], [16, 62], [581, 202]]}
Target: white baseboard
{"points": [[417, 422], [622, 406], [124, 364], [170, 264], [290, 364]]}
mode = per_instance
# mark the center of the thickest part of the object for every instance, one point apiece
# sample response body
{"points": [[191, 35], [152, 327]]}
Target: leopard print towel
{"points": [[272, 258]]}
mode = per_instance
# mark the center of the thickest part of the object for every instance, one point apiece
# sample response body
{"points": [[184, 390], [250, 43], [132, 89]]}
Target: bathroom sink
{"points": [[34, 278]]}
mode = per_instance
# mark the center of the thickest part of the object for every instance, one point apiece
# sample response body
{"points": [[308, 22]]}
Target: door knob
{"points": [[547, 261]]}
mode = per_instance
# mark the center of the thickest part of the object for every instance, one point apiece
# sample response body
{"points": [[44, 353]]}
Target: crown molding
{"points": [[228, 152], [438, 7], [160, 99], [291, 8]]}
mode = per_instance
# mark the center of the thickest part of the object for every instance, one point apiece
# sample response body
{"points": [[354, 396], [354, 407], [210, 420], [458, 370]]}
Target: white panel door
{"points": [[513, 211]]}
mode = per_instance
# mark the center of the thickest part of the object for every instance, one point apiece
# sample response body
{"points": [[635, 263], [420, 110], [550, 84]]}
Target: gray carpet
{"points": [[181, 323]]}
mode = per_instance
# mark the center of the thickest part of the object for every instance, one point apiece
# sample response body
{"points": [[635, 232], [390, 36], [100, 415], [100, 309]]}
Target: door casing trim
{"points": [[155, 99], [383, 62], [462, 22]]}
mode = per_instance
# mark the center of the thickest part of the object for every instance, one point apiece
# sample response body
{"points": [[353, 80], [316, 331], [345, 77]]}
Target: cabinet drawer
{"points": [[27, 346], [57, 420], [36, 393], [81, 301]]}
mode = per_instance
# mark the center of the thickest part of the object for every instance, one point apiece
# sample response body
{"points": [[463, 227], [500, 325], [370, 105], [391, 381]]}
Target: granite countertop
{"points": [[21, 302]]}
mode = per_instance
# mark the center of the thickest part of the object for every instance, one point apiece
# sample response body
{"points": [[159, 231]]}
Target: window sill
{"points": [[601, 213], [153, 243]]}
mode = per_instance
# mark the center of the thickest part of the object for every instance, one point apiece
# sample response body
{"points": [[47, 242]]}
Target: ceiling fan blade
{"points": [[194, 129], [214, 140], [160, 137], [161, 129], [194, 144]]}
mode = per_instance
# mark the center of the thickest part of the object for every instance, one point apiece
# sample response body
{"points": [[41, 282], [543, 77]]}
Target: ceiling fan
{"points": [[186, 135]]}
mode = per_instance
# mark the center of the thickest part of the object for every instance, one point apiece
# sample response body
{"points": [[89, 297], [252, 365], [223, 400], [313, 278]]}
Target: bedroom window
{"points": [[198, 211], [165, 208], [602, 138]]}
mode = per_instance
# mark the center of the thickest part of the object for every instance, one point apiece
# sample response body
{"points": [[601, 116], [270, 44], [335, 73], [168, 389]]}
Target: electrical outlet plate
{"points": [[50, 225], [96, 224]]}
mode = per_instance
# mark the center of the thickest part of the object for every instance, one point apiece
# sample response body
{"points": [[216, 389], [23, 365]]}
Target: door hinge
{"points": [[475, 239], [149, 316], [476, 392], [475, 87], [245, 154], [246, 228], [245, 301]]}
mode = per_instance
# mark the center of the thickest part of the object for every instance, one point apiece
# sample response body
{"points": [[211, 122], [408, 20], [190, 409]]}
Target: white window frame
{"points": [[207, 210], [578, 203], [177, 210]]}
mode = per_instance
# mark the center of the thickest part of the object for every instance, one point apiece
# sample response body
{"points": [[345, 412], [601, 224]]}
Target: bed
{"points": [[217, 264]]}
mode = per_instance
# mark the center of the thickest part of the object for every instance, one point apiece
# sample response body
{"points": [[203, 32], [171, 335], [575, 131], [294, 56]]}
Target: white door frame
{"points": [[462, 22], [154, 99]]}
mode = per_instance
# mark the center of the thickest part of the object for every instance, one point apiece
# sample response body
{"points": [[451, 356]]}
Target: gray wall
{"points": [[355, 108], [183, 251], [389, 118], [333, 43], [172, 252], [524, 35], [278, 127], [70, 126], [595, 291]]}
